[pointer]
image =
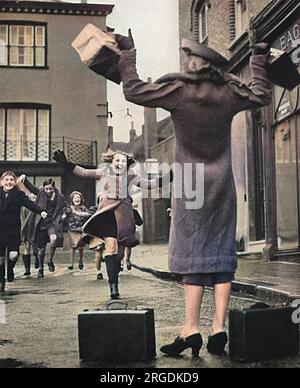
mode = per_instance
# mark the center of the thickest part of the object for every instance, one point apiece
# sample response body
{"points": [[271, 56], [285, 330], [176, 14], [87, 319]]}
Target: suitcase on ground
{"points": [[262, 333], [117, 335]]}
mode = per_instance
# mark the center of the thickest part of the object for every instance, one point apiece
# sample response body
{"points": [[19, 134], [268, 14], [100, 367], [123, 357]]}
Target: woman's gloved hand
{"points": [[261, 49], [44, 215], [125, 42], [61, 159]]}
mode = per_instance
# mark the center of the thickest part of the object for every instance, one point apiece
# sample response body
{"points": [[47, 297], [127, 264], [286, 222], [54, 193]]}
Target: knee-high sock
{"points": [[41, 256], [52, 253], [2, 270], [27, 262], [113, 269]]}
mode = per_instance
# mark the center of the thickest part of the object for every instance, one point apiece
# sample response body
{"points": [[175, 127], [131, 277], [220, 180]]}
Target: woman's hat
{"points": [[201, 50]]}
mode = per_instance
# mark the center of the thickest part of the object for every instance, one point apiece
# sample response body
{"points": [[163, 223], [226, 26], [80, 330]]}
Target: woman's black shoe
{"points": [[40, 274], [81, 265], [216, 344], [27, 264], [180, 344], [100, 276]]}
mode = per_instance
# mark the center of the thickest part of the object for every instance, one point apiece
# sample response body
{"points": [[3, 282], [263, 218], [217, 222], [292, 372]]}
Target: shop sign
{"points": [[289, 42]]}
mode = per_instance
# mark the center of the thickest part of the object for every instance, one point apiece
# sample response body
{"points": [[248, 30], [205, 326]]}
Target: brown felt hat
{"points": [[200, 50]]}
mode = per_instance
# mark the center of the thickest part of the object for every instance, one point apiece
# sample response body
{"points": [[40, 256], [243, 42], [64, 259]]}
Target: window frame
{"points": [[202, 9], [27, 106], [240, 27], [25, 23]]}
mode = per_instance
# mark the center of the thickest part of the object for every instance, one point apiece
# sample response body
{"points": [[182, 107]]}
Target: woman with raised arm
{"points": [[202, 99]]}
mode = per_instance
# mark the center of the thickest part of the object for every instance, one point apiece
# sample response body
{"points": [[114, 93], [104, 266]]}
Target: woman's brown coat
{"points": [[202, 240]]}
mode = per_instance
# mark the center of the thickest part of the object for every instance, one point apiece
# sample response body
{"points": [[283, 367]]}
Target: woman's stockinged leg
{"points": [[222, 294], [193, 302]]}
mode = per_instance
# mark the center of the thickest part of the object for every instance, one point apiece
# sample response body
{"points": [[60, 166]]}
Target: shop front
{"points": [[286, 135], [282, 138]]}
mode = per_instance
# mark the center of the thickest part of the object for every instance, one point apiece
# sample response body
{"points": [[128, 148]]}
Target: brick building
{"points": [[48, 98]]}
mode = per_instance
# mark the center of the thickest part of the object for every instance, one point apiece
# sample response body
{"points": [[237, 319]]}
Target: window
{"points": [[24, 134], [241, 17], [286, 102], [22, 45], [2, 133], [203, 30]]}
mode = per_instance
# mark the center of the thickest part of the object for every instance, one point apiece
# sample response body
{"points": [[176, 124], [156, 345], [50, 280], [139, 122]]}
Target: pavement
{"points": [[41, 318], [271, 281]]}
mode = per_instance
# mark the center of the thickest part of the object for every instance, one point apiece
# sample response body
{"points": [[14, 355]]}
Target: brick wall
{"points": [[218, 21]]}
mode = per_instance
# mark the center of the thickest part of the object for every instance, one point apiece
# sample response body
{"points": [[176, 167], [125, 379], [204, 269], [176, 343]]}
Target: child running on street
{"points": [[11, 202]]}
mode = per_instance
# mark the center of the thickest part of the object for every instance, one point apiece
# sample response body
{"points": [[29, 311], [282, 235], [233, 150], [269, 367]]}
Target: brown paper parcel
{"points": [[99, 51]]}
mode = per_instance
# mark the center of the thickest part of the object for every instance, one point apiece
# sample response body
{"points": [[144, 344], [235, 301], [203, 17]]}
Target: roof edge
{"points": [[59, 8]]}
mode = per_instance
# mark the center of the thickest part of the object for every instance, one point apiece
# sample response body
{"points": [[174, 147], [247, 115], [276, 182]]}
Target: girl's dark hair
{"points": [[49, 182]]}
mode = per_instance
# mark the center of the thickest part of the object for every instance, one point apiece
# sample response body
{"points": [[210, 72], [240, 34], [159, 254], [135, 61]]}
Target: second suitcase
{"points": [[117, 335], [260, 334]]}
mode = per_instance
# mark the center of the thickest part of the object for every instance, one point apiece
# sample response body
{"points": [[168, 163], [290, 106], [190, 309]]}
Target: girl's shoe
{"points": [[100, 276], [114, 292], [216, 344], [40, 274], [80, 265], [51, 266], [129, 266], [70, 268], [194, 342]]}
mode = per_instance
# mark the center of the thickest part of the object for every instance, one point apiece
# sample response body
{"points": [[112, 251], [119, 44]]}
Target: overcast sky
{"points": [[154, 25]]}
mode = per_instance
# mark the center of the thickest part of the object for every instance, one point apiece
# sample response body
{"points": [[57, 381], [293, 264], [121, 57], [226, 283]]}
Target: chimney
{"points": [[133, 134], [110, 135]]}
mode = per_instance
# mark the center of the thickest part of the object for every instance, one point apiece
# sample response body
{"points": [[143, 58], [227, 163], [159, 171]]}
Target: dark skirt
{"points": [[208, 279]]}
